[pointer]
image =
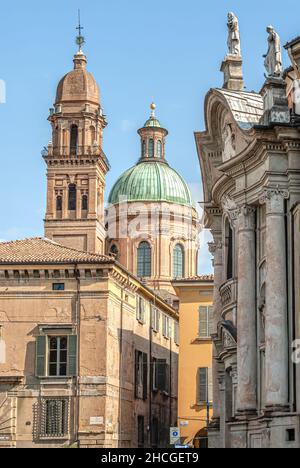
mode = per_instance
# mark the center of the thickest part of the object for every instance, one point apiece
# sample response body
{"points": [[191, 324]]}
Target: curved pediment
{"points": [[230, 115]]}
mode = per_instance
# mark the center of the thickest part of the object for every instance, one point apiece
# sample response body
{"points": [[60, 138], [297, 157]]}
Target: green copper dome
{"points": [[153, 122], [151, 181]]}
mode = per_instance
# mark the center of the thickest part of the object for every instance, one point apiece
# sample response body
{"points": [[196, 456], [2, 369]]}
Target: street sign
{"points": [[175, 435]]}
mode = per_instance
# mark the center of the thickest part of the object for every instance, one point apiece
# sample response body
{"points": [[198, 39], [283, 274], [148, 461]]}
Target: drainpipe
{"points": [[121, 365], [78, 329], [151, 373]]}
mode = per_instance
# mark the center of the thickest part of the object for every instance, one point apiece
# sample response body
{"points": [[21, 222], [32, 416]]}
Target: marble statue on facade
{"points": [[273, 58], [234, 40]]}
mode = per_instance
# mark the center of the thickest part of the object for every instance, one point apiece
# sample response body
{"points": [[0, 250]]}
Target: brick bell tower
{"points": [[76, 163]]}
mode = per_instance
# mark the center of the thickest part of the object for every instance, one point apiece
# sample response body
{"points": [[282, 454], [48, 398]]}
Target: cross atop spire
{"points": [[80, 38]]}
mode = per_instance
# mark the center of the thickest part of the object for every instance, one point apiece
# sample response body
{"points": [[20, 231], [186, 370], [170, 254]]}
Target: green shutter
{"points": [[136, 376], [72, 355], [210, 386], [40, 356], [202, 386], [203, 322], [210, 319], [145, 376]]}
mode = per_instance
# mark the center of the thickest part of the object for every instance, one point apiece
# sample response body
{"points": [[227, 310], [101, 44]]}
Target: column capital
{"points": [[246, 217], [274, 198]]}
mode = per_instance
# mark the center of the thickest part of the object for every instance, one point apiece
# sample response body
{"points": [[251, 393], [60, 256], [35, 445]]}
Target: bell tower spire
{"points": [[76, 163], [80, 40]]}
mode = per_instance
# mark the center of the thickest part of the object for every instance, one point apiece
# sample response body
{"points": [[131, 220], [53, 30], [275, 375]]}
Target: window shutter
{"points": [[202, 381], [158, 320], [167, 372], [136, 377], [145, 376], [203, 322], [153, 318], [210, 320], [137, 307], [41, 356], [72, 355], [210, 386], [143, 311], [161, 374]]}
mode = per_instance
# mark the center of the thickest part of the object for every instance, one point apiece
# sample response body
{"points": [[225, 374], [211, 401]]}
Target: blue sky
{"points": [[168, 50]]}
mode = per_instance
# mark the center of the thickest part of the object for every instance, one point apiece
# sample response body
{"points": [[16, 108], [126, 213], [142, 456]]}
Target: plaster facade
{"points": [[195, 353]]}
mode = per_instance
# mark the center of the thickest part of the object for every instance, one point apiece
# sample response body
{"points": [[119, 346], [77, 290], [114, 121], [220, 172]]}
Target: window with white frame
{"points": [[204, 321], [166, 326]]}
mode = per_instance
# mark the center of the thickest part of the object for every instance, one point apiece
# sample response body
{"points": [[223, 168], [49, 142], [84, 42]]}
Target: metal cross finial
{"points": [[79, 39]]}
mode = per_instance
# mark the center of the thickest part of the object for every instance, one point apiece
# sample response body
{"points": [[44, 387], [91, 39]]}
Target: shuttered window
{"points": [[155, 319], [141, 375], [56, 356], [204, 321], [163, 375], [140, 310], [72, 355], [176, 333], [204, 386], [166, 326], [40, 356]]}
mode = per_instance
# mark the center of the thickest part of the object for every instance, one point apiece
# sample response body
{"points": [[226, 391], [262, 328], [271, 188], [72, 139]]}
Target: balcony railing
{"points": [[78, 152], [228, 292]]}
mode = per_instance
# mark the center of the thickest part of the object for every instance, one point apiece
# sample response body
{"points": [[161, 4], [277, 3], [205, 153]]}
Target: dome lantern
{"points": [[152, 138]]}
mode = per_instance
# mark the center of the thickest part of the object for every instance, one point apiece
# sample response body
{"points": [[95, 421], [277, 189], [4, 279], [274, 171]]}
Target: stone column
{"points": [[216, 249], [276, 330], [246, 318]]}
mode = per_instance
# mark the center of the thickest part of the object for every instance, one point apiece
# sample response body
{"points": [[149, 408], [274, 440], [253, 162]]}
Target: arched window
{"points": [[84, 202], [72, 197], [178, 261], [229, 251], [144, 260], [74, 140], [114, 251], [159, 149], [151, 148], [59, 203]]}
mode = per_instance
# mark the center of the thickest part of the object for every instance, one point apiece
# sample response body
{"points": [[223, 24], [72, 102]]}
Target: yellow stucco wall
{"points": [[193, 354]]}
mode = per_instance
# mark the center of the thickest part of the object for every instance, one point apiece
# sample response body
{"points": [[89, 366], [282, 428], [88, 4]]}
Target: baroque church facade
{"points": [[95, 362], [249, 157]]}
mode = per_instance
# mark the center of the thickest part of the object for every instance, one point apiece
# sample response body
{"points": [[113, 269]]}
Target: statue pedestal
{"points": [[276, 109], [232, 67]]}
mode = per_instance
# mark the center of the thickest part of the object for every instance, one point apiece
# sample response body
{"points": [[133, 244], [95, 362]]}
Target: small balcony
{"points": [[228, 292]]}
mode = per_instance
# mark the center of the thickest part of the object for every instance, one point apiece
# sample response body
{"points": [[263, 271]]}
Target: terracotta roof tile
{"points": [[40, 250]]}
